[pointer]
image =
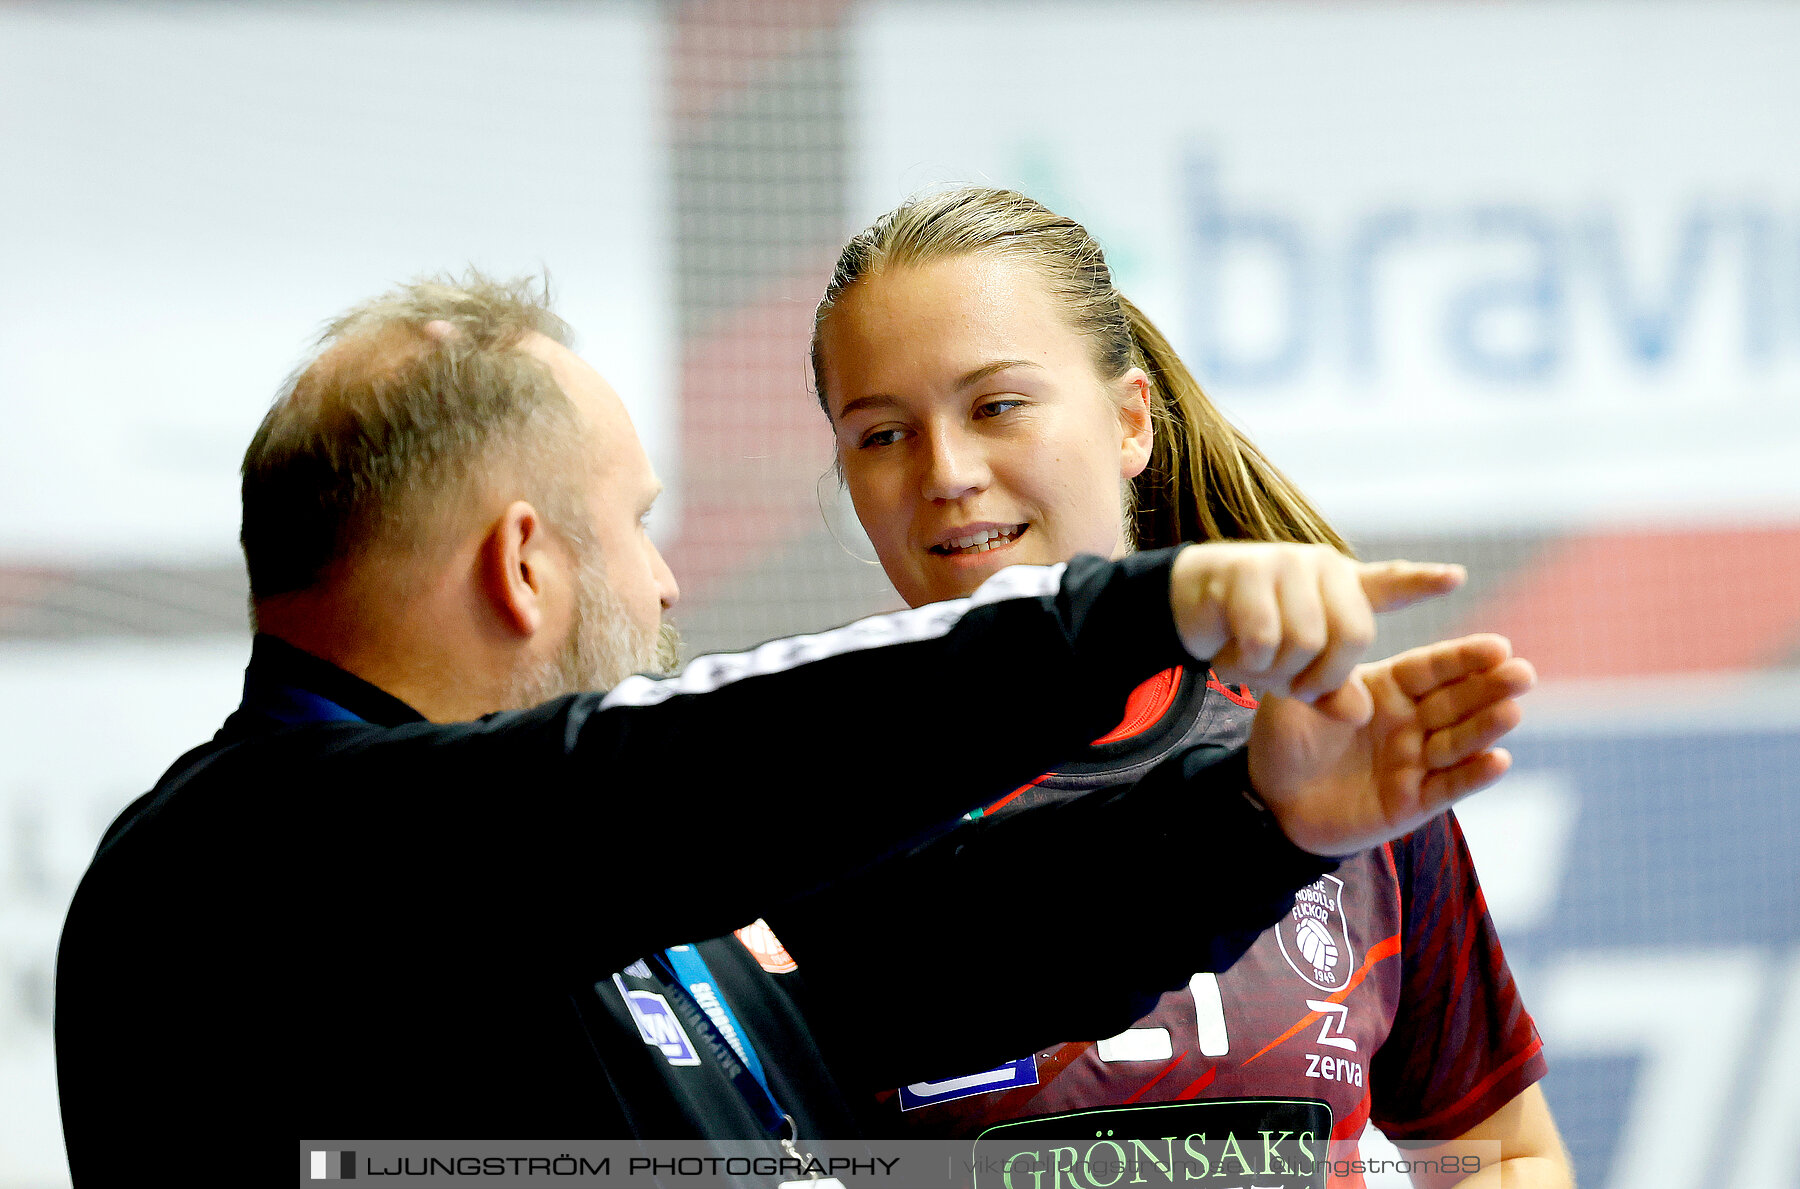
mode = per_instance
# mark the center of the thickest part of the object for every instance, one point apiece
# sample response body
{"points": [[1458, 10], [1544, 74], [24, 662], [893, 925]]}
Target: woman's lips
{"points": [[972, 542]]}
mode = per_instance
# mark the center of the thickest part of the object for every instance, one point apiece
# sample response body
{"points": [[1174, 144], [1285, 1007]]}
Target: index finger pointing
{"points": [[1391, 585]]}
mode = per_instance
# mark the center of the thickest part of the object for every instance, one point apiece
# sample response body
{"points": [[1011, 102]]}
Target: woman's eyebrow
{"points": [[878, 401], [882, 400], [989, 369]]}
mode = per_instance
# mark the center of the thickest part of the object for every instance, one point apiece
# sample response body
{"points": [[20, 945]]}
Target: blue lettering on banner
{"points": [[1526, 279], [658, 1026], [1280, 242], [1511, 327], [1022, 1072]]}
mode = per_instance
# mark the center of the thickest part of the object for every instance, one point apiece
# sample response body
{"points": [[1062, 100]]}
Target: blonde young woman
{"points": [[996, 400]]}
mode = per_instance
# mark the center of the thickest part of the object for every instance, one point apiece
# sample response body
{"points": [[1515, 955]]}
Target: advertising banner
{"points": [[1454, 267]]}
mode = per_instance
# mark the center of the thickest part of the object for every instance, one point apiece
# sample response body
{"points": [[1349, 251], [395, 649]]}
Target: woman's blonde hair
{"points": [[1205, 480]]}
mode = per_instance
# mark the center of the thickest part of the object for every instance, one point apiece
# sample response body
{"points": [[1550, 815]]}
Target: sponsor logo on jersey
{"points": [[1334, 1069], [1331, 1031], [1022, 1072], [1264, 1143], [1315, 937], [762, 943], [658, 1026]]}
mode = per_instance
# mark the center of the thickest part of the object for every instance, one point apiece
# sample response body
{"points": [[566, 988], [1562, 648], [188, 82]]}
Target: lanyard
{"points": [[694, 974], [750, 1087]]}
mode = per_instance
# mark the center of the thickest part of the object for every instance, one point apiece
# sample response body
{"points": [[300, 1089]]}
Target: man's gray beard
{"points": [[604, 646]]}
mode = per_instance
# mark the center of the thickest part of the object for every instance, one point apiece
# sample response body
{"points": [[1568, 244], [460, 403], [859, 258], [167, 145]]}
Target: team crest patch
{"points": [[770, 954], [658, 1026], [1315, 936]]}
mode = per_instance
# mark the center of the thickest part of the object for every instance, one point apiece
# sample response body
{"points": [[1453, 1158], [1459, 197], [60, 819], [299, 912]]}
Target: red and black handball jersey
{"points": [[1381, 995]]}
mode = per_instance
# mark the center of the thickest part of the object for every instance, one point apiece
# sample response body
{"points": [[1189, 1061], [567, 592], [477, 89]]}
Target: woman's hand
{"points": [[1336, 787]]}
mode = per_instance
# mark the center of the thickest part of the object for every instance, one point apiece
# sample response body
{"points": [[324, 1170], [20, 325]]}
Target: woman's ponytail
{"points": [[1205, 480]]}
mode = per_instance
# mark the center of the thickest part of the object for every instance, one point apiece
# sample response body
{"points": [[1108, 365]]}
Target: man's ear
{"points": [[1137, 428], [516, 562]]}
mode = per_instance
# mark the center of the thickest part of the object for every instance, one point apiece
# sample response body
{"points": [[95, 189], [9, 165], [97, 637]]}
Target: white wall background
{"points": [[192, 190]]}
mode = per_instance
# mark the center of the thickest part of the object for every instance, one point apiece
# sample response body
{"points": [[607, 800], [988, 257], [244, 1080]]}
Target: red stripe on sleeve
{"points": [[1471, 929], [1024, 788]]}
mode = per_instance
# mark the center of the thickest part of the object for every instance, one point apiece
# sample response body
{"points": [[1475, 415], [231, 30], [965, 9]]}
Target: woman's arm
{"points": [[1532, 1155]]}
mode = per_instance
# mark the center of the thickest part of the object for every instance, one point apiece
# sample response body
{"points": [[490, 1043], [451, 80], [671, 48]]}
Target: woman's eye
{"points": [[880, 437], [995, 408]]}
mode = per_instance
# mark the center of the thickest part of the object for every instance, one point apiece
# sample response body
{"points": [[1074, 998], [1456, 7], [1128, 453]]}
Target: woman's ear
{"points": [[1138, 428]]}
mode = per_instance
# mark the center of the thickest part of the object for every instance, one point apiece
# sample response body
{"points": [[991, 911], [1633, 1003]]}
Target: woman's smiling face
{"points": [[972, 428]]}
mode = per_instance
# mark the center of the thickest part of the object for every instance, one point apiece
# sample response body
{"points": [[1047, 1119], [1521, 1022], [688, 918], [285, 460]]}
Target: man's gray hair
{"points": [[411, 402]]}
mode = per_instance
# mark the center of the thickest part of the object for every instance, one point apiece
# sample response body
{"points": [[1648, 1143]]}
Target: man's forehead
{"points": [[619, 455], [583, 385], [570, 369], [545, 348]]}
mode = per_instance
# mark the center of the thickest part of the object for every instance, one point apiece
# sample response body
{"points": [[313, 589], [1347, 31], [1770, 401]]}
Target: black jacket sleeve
{"points": [[598, 827], [1063, 922]]}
